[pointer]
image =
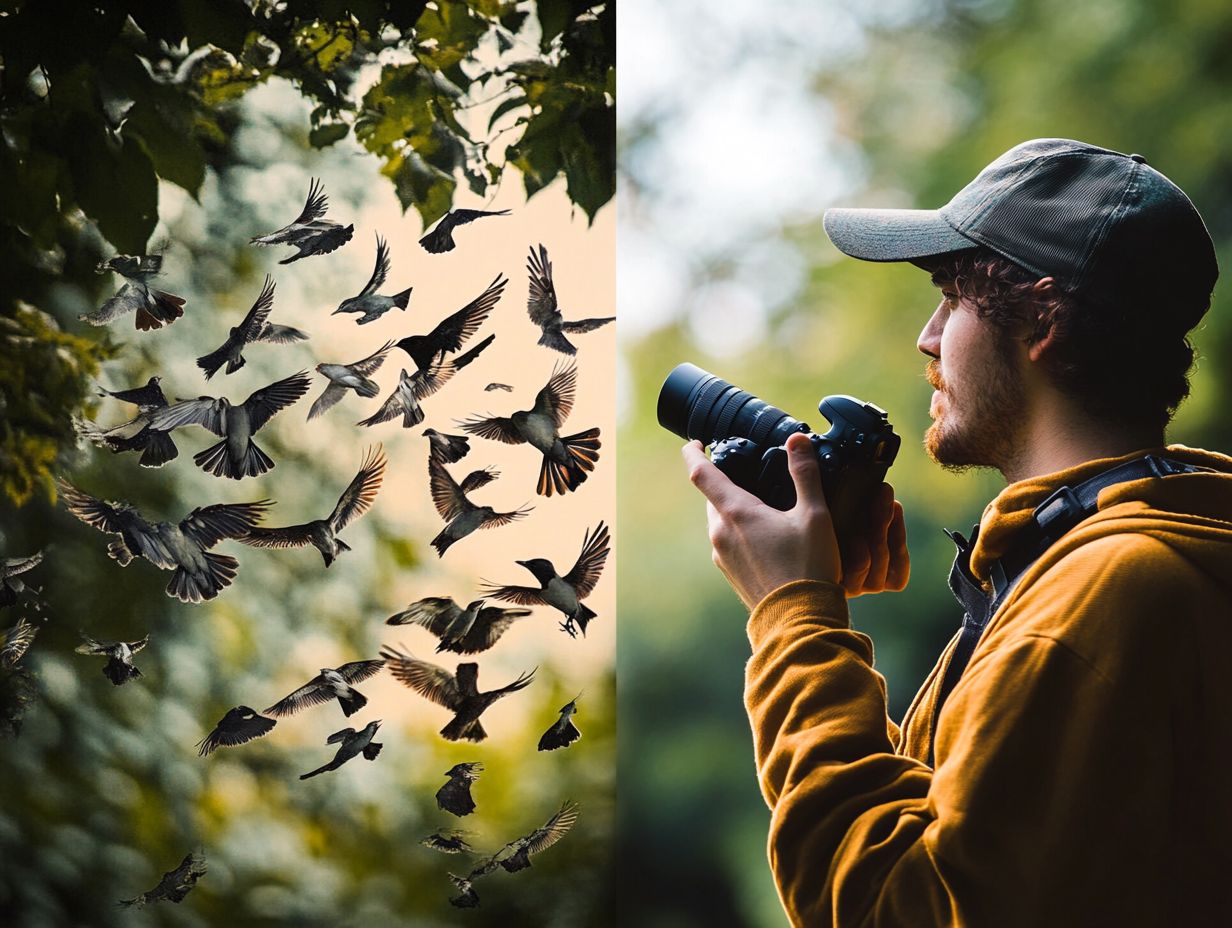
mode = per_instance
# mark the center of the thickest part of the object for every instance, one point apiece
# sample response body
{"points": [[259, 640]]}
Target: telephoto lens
{"points": [[696, 404]]}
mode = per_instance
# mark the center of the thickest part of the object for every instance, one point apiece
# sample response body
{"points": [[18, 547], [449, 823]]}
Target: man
{"points": [[1067, 762]]}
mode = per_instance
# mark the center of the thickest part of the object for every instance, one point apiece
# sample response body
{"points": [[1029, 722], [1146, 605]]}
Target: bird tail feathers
{"points": [[462, 730], [582, 452], [220, 570], [372, 750], [401, 299], [352, 702], [312, 773], [118, 551], [471, 354], [160, 448], [441, 543], [583, 616], [560, 737], [217, 461]]}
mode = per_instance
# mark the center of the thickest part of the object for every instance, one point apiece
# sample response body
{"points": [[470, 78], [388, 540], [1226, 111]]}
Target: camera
{"points": [[748, 436]]}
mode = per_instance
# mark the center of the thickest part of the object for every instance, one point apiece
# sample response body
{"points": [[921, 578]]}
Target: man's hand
{"points": [[759, 548]]}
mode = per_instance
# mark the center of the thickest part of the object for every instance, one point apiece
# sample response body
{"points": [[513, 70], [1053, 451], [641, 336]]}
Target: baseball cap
{"points": [[1108, 227]]}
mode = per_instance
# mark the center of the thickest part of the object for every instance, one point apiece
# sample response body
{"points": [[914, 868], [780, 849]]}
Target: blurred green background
{"points": [[741, 124]]}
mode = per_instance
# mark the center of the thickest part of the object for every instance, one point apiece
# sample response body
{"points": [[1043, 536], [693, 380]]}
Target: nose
{"points": [[929, 342]]}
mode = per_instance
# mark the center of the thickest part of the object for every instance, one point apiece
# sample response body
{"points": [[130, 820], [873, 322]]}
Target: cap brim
{"points": [[892, 234]]}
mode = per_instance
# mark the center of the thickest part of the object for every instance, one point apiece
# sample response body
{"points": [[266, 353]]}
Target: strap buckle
{"points": [[1058, 513]]}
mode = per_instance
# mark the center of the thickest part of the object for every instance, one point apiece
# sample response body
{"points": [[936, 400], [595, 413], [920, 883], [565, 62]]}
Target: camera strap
{"points": [[1051, 519]]}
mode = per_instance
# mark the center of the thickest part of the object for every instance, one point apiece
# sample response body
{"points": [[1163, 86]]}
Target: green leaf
{"points": [[327, 134], [554, 16], [117, 189], [511, 103], [587, 147], [418, 184], [163, 121]]}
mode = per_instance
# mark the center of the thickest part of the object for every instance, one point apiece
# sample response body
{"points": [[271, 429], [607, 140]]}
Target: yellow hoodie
{"points": [[1083, 762]]}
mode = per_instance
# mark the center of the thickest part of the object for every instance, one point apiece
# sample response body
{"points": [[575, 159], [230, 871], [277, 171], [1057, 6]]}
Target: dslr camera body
{"points": [[747, 439]]}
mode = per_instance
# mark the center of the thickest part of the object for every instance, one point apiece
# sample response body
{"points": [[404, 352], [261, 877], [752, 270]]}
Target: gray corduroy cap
{"points": [[1108, 227]]}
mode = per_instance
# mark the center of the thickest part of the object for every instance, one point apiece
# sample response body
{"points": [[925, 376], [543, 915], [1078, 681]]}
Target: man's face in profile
{"points": [[979, 403]]}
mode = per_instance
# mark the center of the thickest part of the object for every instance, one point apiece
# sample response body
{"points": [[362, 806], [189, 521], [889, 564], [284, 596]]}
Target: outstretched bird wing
{"points": [[16, 641], [149, 395], [491, 623], [427, 381], [556, 398], [12, 566], [314, 207], [327, 400], [265, 403], [586, 325], [498, 519], [312, 693], [238, 726], [255, 321], [369, 365], [90, 645], [358, 496], [429, 680], [496, 428], [340, 736], [209, 525], [288, 536], [585, 573], [447, 496], [204, 411], [111, 518], [522, 595], [380, 271], [435, 613], [455, 329], [136, 646], [553, 830], [521, 682], [358, 671], [541, 303], [479, 478], [280, 334], [393, 407]]}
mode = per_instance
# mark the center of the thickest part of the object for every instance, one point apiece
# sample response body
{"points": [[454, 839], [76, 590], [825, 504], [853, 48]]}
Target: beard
{"points": [[980, 422]]}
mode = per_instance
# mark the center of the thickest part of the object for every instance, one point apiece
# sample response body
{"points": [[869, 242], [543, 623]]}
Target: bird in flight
{"points": [[459, 694], [15, 641], [544, 311], [255, 327], [153, 307], [455, 795], [563, 732], [351, 744], [183, 548], [463, 631], [370, 303], [541, 838], [310, 234], [563, 593], [328, 685], [567, 460], [440, 239], [119, 668], [461, 515], [12, 587], [498, 386], [411, 388], [237, 455], [239, 726], [342, 377], [145, 398], [454, 330], [322, 534], [156, 446], [175, 884], [447, 449]]}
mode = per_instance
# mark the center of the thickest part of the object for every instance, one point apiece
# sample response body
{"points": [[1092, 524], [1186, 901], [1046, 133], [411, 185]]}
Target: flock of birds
{"points": [[200, 574]]}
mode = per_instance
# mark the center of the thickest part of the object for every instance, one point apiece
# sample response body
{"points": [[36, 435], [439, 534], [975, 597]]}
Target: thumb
{"points": [[805, 474]]}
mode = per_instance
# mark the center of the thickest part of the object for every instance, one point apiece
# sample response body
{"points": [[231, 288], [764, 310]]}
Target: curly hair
{"points": [[1124, 364]]}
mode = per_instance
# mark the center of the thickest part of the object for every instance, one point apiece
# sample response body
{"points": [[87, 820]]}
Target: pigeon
{"points": [[323, 533], [467, 898], [175, 884], [411, 388], [145, 398], [343, 377], [238, 726], [184, 548], [310, 234], [463, 631], [327, 685], [568, 460], [541, 839], [563, 732], [156, 445], [447, 842], [450, 334], [351, 743], [15, 641], [12, 587], [119, 668], [455, 796], [564, 593], [372, 304], [544, 312], [459, 694], [440, 239], [237, 455], [498, 386], [255, 327], [461, 515], [153, 307], [447, 448]]}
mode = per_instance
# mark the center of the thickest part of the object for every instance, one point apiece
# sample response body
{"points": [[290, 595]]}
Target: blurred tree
{"points": [[99, 101]]}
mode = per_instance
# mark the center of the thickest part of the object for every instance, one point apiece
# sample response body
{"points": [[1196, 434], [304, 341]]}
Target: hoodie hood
{"points": [[1190, 512]]}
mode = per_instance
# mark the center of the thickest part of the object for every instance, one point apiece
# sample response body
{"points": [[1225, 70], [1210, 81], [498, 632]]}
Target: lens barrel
{"points": [[696, 404]]}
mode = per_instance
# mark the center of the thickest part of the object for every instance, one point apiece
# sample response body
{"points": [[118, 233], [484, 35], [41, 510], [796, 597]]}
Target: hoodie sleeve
{"points": [[1031, 760]]}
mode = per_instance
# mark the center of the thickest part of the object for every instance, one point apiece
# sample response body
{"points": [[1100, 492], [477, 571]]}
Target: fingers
{"points": [[896, 540], [713, 483], [805, 474], [882, 512]]}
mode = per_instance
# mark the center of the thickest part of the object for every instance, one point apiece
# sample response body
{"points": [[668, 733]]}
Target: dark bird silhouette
{"points": [[343, 377], [15, 641], [330, 684], [498, 386], [466, 898], [351, 744], [459, 694], [255, 327], [463, 631], [455, 796], [461, 515], [119, 668], [411, 388], [564, 593], [563, 732], [310, 234], [183, 548], [12, 586], [440, 239], [544, 312], [447, 842], [568, 460], [175, 884], [322, 534], [239, 726], [447, 448], [453, 331], [144, 398], [371, 304], [156, 446], [153, 307], [542, 838], [237, 455]]}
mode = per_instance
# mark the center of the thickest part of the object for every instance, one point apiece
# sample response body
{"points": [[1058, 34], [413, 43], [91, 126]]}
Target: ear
{"points": [[1045, 289]]}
